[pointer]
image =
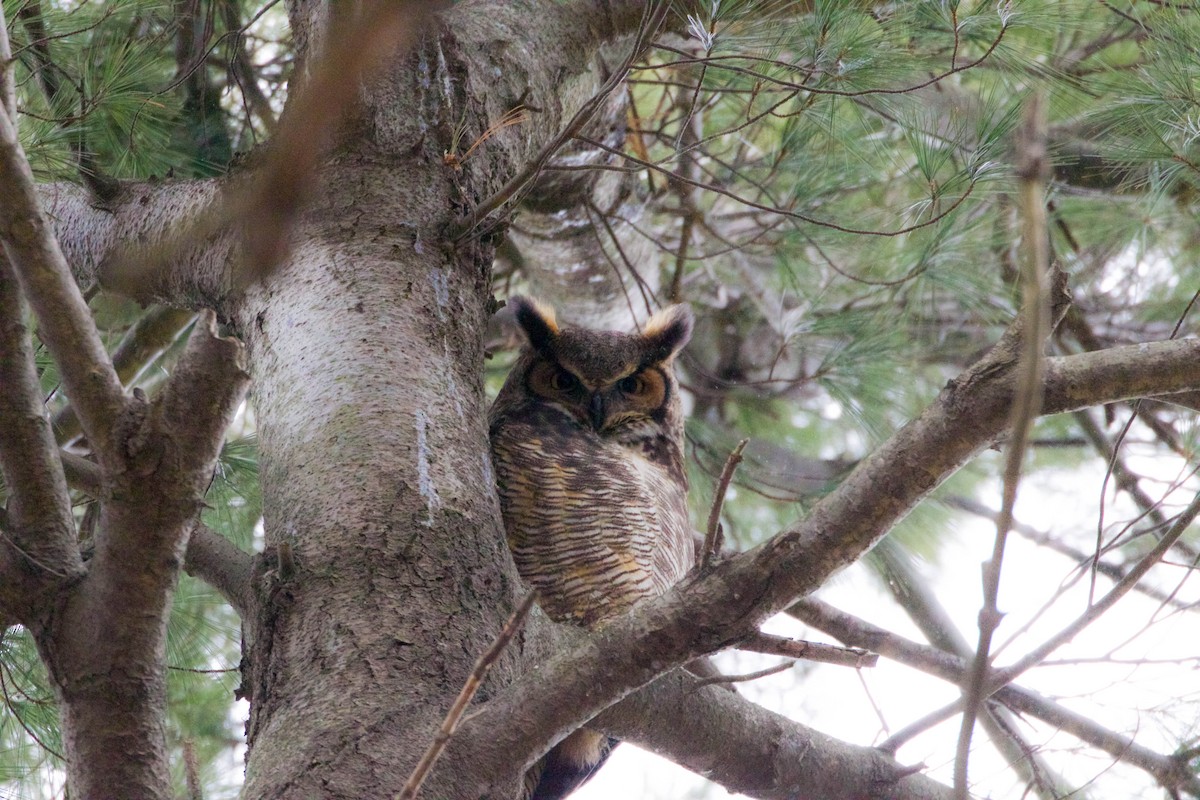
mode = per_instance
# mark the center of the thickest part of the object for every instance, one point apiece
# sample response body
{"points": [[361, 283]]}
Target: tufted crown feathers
{"points": [[661, 338]]}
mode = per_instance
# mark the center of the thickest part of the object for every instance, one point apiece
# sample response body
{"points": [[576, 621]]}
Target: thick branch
{"points": [[144, 342], [39, 531], [203, 395], [105, 650], [210, 556], [751, 750], [218, 562], [64, 322]]}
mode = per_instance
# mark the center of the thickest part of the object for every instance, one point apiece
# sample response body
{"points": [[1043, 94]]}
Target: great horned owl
{"points": [[587, 442]]}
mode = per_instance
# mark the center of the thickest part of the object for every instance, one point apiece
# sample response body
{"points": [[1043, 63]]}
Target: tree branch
{"points": [[920, 602], [144, 342], [210, 556], [39, 531], [105, 649], [222, 565], [749, 749], [65, 323], [92, 238], [8, 88]]}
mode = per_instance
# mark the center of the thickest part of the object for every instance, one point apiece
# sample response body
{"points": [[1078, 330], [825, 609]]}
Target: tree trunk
{"points": [[366, 353]]}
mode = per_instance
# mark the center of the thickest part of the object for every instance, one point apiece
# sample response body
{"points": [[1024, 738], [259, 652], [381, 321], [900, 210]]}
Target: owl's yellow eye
{"points": [[554, 382], [632, 384], [563, 381]]}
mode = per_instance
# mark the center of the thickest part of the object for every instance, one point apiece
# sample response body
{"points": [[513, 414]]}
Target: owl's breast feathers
{"points": [[595, 525]]}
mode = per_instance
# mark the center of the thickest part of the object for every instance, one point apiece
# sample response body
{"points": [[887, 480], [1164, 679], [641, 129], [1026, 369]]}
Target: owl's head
{"points": [[606, 380]]}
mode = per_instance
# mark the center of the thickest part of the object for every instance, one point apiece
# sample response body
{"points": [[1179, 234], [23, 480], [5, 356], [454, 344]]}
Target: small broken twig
{"points": [[770, 644], [472, 684], [714, 533]]}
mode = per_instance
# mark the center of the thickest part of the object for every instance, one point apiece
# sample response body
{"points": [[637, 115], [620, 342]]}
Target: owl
{"points": [[587, 442]]}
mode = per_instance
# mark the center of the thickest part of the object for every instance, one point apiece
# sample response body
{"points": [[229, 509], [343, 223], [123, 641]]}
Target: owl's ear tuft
{"points": [[667, 332], [537, 320]]}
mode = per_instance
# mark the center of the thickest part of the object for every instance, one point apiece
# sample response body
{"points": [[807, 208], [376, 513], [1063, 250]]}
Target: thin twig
{"points": [[770, 644], [918, 726], [1033, 169], [473, 682], [748, 676], [714, 534], [1169, 770], [1006, 675], [784, 212]]}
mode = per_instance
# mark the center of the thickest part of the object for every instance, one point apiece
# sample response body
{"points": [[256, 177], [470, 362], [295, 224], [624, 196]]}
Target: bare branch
{"points": [[760, 642], [144, 342], [84, 475], [218, 562], [1113, 572], [94, 239], [242, 69], [1149, 369], [170, 460], [1033, 169], [749, 749], [203, 394], [108, 641], [64, 322], [1095, 610], [918, 599], [746, 677], [712, 536], [39, 529]]}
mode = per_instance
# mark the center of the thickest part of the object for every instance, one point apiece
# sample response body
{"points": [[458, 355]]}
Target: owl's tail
{"points": [[568, 765]]}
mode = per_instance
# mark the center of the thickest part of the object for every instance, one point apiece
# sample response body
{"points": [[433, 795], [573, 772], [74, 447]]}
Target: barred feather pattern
{"points": [[593, 523]]}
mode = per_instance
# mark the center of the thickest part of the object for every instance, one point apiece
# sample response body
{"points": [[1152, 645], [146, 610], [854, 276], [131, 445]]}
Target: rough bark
{"points": [[751, 750]]}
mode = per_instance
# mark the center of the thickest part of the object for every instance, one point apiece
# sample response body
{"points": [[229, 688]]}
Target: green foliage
{"points": [[30, 746], [885, 135], [119, 81]]}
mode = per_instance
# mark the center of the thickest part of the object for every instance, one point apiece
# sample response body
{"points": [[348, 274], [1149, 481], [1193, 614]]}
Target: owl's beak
{"points": [[596, 410]]}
